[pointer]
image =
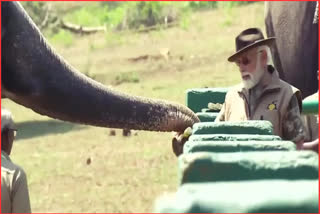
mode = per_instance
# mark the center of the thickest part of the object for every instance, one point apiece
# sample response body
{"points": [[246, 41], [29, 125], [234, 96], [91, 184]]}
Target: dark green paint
{"points": [[205, 166], [237, 146], [261, 127], [198, 98], [264, 196]]}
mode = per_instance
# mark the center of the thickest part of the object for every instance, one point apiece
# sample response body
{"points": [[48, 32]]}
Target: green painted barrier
{"points": [[262, 127], [198, 98], [237, 146], [263, 196], [233, 137], [310, 106], [236, 166], [207, 117]]}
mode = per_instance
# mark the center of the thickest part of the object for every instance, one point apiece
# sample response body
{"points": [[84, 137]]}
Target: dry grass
{"points": [[126, 174]]}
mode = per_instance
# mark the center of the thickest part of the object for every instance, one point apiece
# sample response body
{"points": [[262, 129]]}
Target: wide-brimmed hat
{"points": [[247, 39]]}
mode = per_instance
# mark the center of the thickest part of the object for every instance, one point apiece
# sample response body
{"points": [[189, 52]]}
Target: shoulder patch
{"points": [[272, 106]]}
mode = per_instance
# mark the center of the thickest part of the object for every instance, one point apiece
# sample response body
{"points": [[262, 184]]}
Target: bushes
{"points": [[198, 5], [36, 10], [62, 37], [128, 15], [149, 13], [86, 16], [137, 15]]}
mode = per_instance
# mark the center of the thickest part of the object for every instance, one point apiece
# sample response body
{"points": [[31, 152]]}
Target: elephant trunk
{"points": [[81, 101], [33, 75]]}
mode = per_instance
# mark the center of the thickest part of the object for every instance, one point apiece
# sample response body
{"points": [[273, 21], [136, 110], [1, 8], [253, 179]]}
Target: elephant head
{"points": [[296, 50], [35, 76]]}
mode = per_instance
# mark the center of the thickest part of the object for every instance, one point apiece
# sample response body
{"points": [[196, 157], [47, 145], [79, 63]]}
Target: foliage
{"points": [[232, 4], [114, 18], [196, 5], [146, 13], [91, 15], [36, 10], [62, 37], [207, 5], [122, 15], [127, 15]]}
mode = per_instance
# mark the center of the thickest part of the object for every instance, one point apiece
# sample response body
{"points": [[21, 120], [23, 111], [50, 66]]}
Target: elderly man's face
{"points": [[250, 67]]}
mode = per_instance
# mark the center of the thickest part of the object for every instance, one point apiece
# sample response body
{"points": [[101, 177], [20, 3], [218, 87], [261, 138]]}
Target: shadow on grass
{"points": [[30, 129]]}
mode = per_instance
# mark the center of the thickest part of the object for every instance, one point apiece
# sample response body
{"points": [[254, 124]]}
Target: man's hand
{"points": [[179, 140], [313, 145]]}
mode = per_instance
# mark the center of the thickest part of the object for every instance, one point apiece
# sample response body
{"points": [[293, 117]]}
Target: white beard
{"points": [[255, 77]]}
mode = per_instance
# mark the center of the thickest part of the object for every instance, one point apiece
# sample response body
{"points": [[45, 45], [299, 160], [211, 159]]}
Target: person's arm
{"points": [[292, 125], [313, 145], [20, 193], [221, 115]]}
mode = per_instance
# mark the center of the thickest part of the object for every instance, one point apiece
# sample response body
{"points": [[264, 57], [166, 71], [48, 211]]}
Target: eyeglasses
{"points": [[245, 60]]}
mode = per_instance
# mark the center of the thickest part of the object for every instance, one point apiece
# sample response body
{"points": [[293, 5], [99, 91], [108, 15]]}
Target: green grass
{"points": [[87, 16], [126, 174], [62, 37]]}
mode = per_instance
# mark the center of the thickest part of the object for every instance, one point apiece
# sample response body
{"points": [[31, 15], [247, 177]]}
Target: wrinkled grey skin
{"points": [[34, 76], [296, 51]]}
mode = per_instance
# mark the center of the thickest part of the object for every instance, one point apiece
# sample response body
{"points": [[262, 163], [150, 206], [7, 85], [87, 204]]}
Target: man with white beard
{"points": [[262, 95]]}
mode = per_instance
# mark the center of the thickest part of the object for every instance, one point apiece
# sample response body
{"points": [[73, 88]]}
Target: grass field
{"points": [[77, 168]]}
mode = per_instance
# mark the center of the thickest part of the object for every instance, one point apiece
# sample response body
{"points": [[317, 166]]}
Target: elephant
{"points": [[35, 76], [296, 50]]}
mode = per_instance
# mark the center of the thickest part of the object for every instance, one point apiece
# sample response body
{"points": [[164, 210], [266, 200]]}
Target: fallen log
{"points": [[81, 29]]}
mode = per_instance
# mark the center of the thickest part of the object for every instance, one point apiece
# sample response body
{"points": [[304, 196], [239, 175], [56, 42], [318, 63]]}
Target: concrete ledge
{"points": [[198, 98], [233, 137], [206, 166], [206, 110], [262, 127], [237, 146], [207, 116], [264, 196]]}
